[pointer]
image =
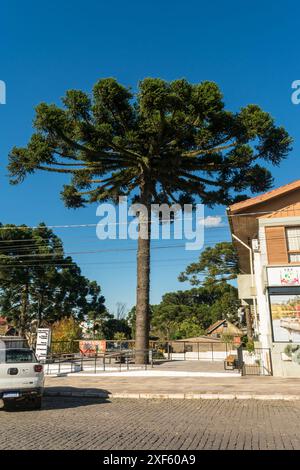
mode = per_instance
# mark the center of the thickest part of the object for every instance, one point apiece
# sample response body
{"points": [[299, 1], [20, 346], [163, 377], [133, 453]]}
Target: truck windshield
{"points": [[19, 355]]}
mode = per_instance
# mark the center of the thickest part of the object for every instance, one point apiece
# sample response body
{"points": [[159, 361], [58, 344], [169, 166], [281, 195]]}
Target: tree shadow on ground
{"points": [[55, 399]]}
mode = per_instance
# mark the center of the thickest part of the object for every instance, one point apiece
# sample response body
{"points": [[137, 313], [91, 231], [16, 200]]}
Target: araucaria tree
{"points": [[169, 142], [216, 264]]}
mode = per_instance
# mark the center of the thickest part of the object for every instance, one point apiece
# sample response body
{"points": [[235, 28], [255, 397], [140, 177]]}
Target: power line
{"points": [[27, 248], [134, 221], [93, 225], [37, 255], [6, 250], [42, 241], [33, 245], [168, 260]]}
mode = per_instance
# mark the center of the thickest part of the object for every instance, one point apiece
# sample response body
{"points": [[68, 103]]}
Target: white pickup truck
{"points": [[21, 375]]}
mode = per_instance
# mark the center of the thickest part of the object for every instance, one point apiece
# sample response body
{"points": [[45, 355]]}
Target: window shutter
{"points": [[276, 245]]}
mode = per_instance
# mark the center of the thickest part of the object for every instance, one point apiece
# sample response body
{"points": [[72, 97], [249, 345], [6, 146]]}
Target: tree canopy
{"points": [[216, 264], [175, 138], [185, 314]]}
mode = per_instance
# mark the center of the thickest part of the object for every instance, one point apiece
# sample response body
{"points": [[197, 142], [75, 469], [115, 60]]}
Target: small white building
{"points": [[266, 233]]}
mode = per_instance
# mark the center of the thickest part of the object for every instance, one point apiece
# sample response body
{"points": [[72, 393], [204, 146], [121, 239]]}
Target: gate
{"points": [[258, 362]]}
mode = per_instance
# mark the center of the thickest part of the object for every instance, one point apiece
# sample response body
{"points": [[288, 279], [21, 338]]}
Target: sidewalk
{"points": [[141, 385]]}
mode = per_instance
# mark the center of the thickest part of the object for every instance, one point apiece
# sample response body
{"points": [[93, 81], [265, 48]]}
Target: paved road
{"points": [[70, 423]]}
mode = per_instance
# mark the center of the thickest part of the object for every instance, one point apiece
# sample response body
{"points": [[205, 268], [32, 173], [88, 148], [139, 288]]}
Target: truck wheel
{"points": [[9, 405], [37, 404]]}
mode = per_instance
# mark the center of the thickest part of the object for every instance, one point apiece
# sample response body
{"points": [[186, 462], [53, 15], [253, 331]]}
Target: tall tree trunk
{"points": [[249, 322], [40, 308], [143, 283], [24, 308]]}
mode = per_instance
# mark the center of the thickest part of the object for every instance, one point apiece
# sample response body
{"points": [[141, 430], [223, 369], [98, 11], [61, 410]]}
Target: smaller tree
{"points": [[120, 336], [173, 321], [227, 305], [64, 332], [120, 311], [114, 326], [97, 311], [216, 264], [189, 313]]}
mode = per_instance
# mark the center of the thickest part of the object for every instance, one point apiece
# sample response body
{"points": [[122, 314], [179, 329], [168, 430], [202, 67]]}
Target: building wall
{"points": [[262, 260]]}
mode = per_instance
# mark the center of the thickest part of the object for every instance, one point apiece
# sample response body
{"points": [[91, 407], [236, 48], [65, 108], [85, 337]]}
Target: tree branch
{"points": [[200, 179], [195, 153]]}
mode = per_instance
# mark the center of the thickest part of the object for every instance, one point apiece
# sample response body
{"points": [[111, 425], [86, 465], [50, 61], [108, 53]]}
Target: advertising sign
{"points": [[43, 343], [92, 347], [284, 276]]}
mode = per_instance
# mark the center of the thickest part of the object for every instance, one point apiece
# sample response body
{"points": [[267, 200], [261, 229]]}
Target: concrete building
{"points": [[266, 233]]}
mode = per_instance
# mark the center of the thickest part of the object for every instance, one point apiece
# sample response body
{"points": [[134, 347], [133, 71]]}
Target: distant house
{"points": [[223, 328], [199, 343], [198, 339]]}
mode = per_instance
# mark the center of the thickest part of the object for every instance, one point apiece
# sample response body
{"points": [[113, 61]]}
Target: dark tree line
{"points": [[38, 282]]}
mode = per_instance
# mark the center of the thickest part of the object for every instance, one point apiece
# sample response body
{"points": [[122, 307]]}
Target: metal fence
{"points": [[170, 350], [66, 356], [116, 361], [196, 350], [258, 362]]}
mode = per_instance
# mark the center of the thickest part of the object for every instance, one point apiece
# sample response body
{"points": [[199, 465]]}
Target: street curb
{"points": [[172, 396]]}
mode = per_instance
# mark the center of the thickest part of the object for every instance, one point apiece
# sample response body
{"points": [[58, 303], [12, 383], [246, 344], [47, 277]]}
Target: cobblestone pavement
{"points": [[70, 423]]}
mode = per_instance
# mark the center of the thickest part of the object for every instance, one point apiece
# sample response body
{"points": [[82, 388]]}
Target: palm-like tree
{"points": [[169, 142]]}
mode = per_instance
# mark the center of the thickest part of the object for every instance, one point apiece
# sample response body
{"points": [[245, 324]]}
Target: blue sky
{"points": [[249, 48]]}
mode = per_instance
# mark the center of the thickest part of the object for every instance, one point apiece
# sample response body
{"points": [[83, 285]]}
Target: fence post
{"points": [[270, 361], [184, 349], [95, 365], [240, 359], [212, 351], [198, 351]]}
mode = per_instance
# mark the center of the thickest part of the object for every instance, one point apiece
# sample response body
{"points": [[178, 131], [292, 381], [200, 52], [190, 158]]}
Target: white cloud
{"points": [[211, 221]]}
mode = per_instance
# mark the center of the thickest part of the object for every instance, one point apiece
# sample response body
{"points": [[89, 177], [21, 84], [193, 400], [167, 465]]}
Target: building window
{"points": [[293, 244]]}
